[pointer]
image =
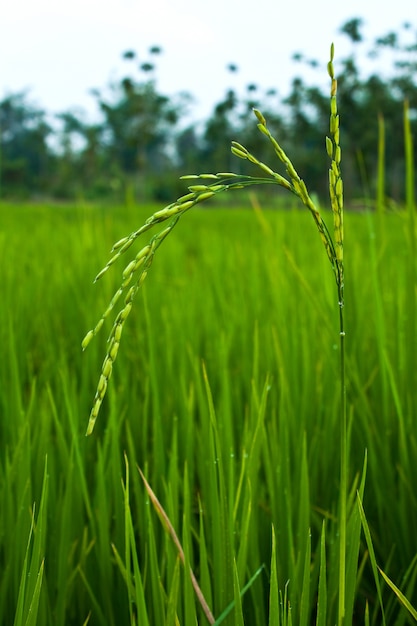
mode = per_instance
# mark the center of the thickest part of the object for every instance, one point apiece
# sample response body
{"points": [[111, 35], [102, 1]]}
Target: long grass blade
{"points": [[322, 591], [371, 556], [242, 592], [32, 617], [171, 531], [404, 601], [274, 614]]}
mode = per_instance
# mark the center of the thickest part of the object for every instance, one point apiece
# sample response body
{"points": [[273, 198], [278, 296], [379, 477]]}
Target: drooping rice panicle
{"points": [[137, 269]]}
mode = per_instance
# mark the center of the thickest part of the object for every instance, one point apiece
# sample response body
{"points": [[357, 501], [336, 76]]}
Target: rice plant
{"points": [[210, 185], [135, 273], [227, 397]]}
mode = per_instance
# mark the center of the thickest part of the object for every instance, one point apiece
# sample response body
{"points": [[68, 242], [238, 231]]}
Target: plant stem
{"points": [[343, 462]]}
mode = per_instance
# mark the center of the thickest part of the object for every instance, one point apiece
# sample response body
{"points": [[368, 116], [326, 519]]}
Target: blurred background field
{"points": [[140, 138], [245, 294]]}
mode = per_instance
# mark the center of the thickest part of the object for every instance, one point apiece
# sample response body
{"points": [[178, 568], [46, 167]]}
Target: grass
{"points": [[226, 396], [238, 428], [138, 268]]}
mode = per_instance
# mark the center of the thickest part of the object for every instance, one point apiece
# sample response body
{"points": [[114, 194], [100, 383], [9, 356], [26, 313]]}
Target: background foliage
{"points": [[143, 140]]}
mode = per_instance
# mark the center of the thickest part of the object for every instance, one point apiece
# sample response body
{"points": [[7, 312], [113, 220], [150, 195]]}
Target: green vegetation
{"points": [[279, 464], [141, 140], [242, 293]]}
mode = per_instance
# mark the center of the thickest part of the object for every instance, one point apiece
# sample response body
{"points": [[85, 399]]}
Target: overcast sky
{"points": [[59, 50]]}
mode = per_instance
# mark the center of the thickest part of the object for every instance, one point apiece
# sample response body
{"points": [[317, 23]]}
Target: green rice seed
{"points": [[120, 243], [87, 339], [334, 123], [101, 272], [337, 222], [260, 117], [107, 367], [167, 212], [198, 188], [330, 69], [124, 313], [164, 233], [123, 248], [329, 147], [93, 416], [215, 188], [117, 334], [239, 146], [188, 196], [339, 187], [263, 129], [102, 386], [130, 294], [129, 269], [187, 205], [98, 325], [205, 196], [113, 350], [239, 153], [143, 252], [138, 264], [94, 412], [141, 280]]}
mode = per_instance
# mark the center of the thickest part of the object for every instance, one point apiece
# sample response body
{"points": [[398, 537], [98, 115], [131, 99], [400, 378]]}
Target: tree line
{"points": [[141, 142]]}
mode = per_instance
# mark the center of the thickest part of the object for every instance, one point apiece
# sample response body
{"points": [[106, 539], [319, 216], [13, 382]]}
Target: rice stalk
{"points": [[136, 271], [211, 185]]}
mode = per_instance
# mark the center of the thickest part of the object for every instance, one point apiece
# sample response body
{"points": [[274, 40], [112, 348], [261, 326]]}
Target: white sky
{"points": [[61, 49]]}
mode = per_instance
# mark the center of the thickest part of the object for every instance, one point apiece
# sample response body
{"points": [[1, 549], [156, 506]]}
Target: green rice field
{"points": [[226, 395]]}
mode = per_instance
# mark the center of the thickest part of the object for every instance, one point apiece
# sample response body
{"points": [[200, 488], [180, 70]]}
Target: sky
{"points": [[59, 51]]}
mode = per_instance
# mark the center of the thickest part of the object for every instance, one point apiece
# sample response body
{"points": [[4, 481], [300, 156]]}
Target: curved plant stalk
{"points": [[207, 186]]}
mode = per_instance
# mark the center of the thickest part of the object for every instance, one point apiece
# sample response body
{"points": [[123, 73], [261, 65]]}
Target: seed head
{"points": [[87, 339], [260, 117]]}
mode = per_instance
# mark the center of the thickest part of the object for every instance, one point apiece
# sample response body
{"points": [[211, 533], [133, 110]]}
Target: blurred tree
{"points": [[142, 139], [362, 98], [351, 28], [25, 156], [220, 130], [139, 124], [81, 166]]}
